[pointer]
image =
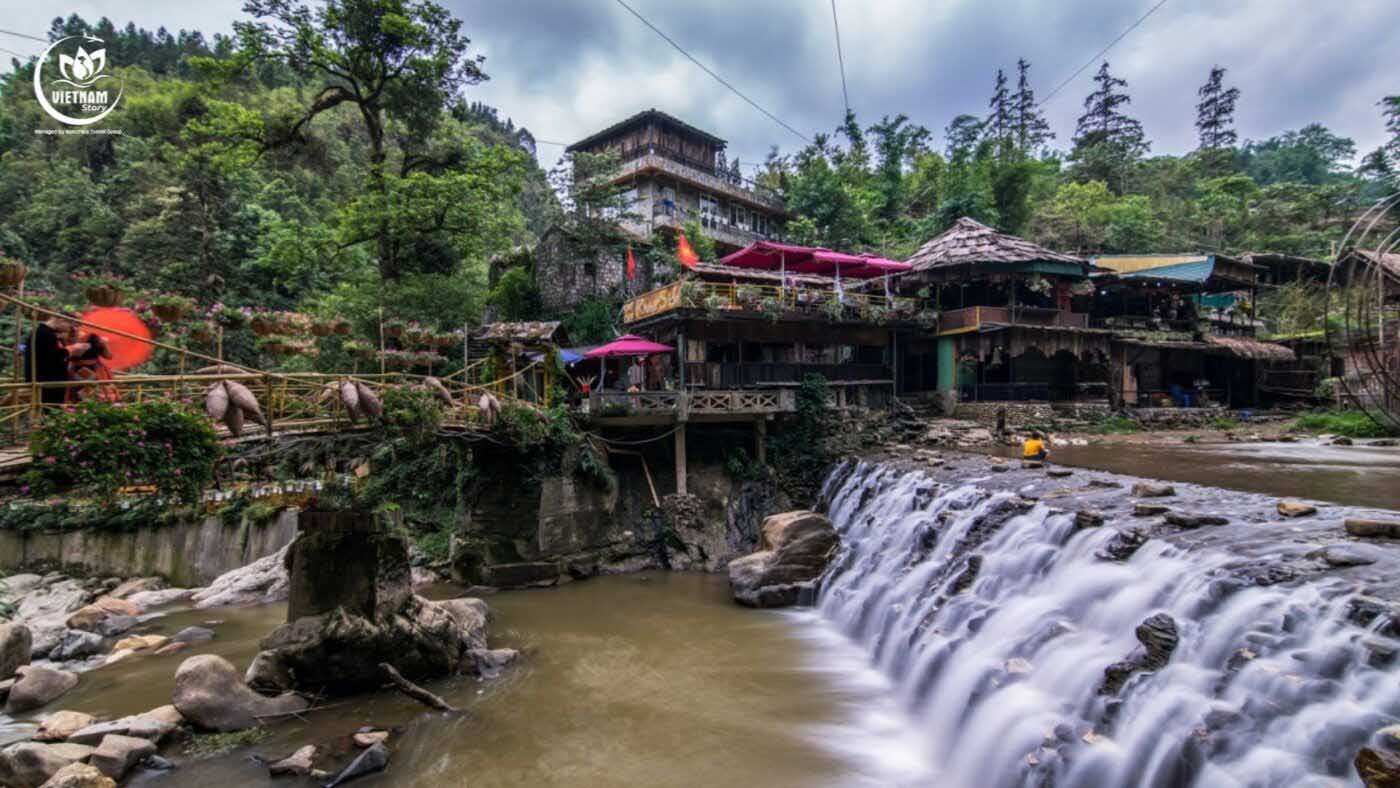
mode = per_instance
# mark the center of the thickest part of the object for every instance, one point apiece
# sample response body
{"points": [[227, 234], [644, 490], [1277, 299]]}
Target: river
{"points": [[638, 680]]}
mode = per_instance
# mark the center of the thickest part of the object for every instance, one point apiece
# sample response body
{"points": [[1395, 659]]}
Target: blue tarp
{"points": [[1195, 272], [570, 355]]}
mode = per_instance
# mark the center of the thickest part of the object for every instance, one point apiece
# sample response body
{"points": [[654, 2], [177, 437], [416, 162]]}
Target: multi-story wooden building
{"points": [[674, 172]]}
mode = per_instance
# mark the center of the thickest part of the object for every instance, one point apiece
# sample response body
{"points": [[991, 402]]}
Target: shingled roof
{"points": [[969, 241]]}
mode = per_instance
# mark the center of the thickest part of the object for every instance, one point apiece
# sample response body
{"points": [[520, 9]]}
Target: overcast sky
{"points": [[565, 68]]}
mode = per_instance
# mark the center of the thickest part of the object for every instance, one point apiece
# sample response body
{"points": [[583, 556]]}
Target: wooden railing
{"points": [[748, 402], [975, 317], [770, 300]]}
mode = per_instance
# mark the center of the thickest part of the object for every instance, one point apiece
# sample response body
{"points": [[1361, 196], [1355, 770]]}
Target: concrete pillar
{"points": [[680, 459], [760, 438], [346, 559]]}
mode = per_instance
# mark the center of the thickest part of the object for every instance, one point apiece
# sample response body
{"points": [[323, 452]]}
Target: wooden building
{"points": [[675, 172]]}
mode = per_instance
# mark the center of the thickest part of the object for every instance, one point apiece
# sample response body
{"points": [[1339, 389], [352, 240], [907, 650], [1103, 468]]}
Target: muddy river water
{"points": [[638, 680]]}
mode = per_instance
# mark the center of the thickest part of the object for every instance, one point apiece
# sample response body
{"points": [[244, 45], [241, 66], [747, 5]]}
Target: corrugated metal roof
{"points": [[1196, 271], [1130, 263]]}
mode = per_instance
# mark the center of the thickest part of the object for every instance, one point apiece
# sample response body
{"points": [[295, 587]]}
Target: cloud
{"points": [[566, 68]]}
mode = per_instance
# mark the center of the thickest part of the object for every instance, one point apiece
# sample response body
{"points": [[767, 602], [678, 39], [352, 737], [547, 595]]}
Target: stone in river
{"points": [[141, 642], [298, 764], [1378, 768], [79, 775], [373, 759], [193, 635], [1149, 509], [1296, 509], [15, 642], [1343, 556], [76, 644], [1150, 490], [1087, 518], [38, 685], [1185, 520], [370, 738], [116, 755], [795, 549], [1032, 465], [1059, 473], [1378, 529], [30, 764], [211, 695], [62, 724]]}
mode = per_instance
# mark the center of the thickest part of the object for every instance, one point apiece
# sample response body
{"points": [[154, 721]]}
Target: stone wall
{"points": [[569, 274], [186, 554]]}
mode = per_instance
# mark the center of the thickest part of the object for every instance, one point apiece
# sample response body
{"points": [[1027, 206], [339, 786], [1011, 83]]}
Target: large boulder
{"points": [[51, 600], [90, 617], [31, 764], [36, 686], [138, 585], [79, 775], [261, 582], [209, 693], [76, 644], [794, 550], [15, 643]]}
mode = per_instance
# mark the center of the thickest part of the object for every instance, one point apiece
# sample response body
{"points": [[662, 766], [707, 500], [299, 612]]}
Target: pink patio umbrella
{"points": [[627, 345]]}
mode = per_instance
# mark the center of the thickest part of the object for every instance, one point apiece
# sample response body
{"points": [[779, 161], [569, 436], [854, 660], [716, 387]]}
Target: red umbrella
{"points": [[124, 333]]}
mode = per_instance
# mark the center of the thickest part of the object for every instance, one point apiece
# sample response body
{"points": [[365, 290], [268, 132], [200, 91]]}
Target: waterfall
{"points": [[994, 620]]}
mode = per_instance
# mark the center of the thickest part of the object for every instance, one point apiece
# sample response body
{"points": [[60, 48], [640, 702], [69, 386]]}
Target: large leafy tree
{"points": [[398, 63]]}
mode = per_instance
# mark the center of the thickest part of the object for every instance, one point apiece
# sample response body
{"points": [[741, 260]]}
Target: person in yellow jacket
{"points": [[1034, 448]]}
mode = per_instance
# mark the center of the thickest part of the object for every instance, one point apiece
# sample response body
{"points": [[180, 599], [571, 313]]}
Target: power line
{"points": [[16, 54], [840, 58], [707, 70], [25, 35], [1102, 52]]}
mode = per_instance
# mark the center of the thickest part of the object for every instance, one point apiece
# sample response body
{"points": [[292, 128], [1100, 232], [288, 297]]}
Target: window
{"points": [[709, 211]]}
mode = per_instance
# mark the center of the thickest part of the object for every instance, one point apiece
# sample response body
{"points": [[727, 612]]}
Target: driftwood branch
{"points": [[413, 690]]}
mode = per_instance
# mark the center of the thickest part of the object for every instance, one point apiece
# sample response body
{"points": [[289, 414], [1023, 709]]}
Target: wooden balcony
{"points": [[770, 301], [653, 159], [974, 318], [704, 405]]}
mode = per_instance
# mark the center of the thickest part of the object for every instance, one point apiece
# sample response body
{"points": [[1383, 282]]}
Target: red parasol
{"points": [[127, 351]]}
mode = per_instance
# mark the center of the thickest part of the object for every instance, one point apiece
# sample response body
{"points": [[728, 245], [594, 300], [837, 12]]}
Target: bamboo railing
{"points": [[770, 300]]}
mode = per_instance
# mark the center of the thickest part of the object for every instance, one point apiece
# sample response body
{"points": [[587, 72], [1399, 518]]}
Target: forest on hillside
{"points": [[333, 162]]}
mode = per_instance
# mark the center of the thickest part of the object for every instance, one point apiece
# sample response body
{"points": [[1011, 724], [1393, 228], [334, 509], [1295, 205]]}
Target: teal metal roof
{"points": [[1196, 272]]}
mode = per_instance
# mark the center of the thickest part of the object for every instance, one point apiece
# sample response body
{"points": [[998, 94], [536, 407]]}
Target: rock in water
{"points": [[372, 760], [79, 775], [76, 644], [1378, 768], [298, 764], [62, 724], [1149, 509], [116, 755], [1380, 529], [794, 551], [1296, 509], [38, 685], [209, 693], [263, 581], [1159, 636], [1184, 520], [1150, 490], [30, 764], [15, 642]]}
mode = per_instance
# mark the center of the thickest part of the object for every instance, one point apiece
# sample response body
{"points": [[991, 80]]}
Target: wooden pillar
{"points": [[760, 434], [680, 459], [682, 353]]}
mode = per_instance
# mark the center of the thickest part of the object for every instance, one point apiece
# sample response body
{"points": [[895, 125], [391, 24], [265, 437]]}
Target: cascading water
{"points": [[995, 620]]}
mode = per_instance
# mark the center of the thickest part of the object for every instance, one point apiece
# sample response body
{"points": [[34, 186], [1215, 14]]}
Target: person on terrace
{"points": [[46, 358], [86, 361]]}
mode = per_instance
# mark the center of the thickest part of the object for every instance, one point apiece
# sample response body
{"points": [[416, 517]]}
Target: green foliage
{"points": [[533, 431], [414, 413], [797, 447], [593, 322], [1348, 423], [1114, 425], [105, 447], [516, 295], [742, 468], [208, 745]]}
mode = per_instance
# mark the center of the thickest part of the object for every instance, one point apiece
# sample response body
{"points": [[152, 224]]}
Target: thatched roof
{"points": [[969, 241], [534, 331]]}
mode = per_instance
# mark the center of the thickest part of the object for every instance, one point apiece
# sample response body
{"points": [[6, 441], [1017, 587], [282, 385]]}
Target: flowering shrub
{"points": [[105, 447]]}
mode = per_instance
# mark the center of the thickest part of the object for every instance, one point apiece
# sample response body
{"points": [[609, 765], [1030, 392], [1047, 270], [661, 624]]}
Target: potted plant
{"points": [[104, 290], [263, 323], [772, 308], [202, 332], [834, 309], [394, 328], [415, 335], [275, 344], [322, 328], [748, 295], [12, 272], [341, 326], [692, 293], [715, 302], [229, 317], [359, 349], [170, 307]]}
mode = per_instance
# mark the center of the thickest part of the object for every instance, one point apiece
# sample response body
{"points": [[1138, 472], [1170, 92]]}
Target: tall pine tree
{"points": [[1215, 113], [1390, 109], [1106, 141], [998, 124], [1029, 127]]}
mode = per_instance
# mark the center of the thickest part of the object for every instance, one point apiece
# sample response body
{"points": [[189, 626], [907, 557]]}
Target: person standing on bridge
{"points": [[46, 358]]}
